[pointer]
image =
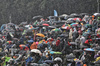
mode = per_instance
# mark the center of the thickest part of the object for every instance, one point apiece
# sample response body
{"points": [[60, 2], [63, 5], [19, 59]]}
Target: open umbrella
{"points": [[39, 16], [88, 25], [45, 24], [73, 43], [66, 27], [77, 19], [48, 61], [58, 59], [22, 45], [30, 41], [89, 49], [56, 29], [52, 27], [40, 34], [34, 64], [36, 51], [54, 52]]}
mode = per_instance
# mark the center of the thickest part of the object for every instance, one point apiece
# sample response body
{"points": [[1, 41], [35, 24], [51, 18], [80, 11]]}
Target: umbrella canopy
{"points": [[23, 23], [88, 26], [40, 34], [74, 15], [34, 64], [70, 56], [89, 49], [39, 16], [73, 43], [52, 27], [70, 19], [72, 24], [48, 61], [56, 29], [77, 19], [58, 59], [30, 41], [22, 45], [36, 51], [45, 24], [96, 14], [53, 52]]}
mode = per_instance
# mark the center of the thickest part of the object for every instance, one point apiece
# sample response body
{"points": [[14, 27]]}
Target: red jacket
{"points": [[57, 42]]}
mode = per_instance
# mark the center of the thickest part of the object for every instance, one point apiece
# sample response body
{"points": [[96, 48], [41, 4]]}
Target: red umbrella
{"points": [[22, 45], [45, 24], [77, 19]]}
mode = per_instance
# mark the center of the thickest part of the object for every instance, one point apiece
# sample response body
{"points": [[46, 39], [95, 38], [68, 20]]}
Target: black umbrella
{"points": [[39, 16], [48, 61], [70, 56], [74, 15]]}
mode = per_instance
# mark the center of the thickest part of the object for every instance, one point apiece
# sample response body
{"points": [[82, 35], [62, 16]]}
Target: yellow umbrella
{"points": [[40, 42], [40, 34]]}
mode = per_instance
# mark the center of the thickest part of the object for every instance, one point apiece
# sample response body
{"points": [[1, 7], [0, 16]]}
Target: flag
{"points": [[55, 13]]}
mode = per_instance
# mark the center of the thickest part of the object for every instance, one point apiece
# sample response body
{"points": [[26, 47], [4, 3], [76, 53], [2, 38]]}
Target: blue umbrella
{"points": [[72, 24], [89, 49], [52, 52], [30, 41]]}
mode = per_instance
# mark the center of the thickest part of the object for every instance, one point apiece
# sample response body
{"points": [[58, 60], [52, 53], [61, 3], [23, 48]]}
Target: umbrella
{"points": [[56, 29], [34, 64], [64, 15], [30, 41], [89, 49], [53, 52], [66, 27], [22, 45], [70, 19], [48, 61], [44, 65], [10, 23], [57, 53], [77, 19], [88, 26], [70, 56], [74, 24], [73, 43], [39, 16], [35, 28], [63, 35], [23, 23], [45, 24], [74, 15], [52, 27], [96, 14], [36, 51], [40, 34], [58, 59]]}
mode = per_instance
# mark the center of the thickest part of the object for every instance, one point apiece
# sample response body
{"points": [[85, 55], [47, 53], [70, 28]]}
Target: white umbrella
{"points": [[58, 59], [36, 51]]}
